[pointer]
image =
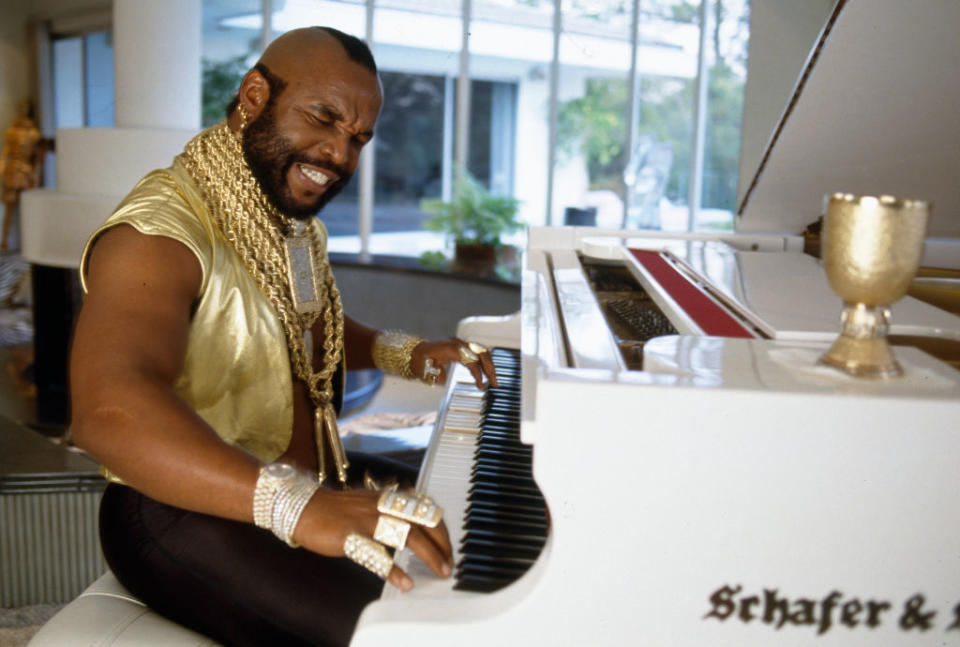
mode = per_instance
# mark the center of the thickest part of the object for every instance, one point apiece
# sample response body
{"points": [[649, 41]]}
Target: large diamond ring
{"points": [[392, 531], [479, 349], [410, 506], [467, 356], [369, 554]]}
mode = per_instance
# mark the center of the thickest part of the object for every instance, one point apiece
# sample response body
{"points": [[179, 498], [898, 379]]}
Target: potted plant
{"points": [[475, 220]]}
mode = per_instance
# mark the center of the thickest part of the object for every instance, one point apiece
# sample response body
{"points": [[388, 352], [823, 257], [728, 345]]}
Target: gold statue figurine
{"points": [[20, 163]]}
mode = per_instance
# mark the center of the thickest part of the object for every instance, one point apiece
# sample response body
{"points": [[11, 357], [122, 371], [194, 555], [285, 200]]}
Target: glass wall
{"points": [[416, 45], [729, 25], [410, 149], [98, 71], [593, 112], [511, 47], [660, 166], [230, 45], [624, 102]]}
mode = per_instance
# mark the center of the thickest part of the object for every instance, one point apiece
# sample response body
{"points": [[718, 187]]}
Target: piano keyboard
{"points": [[480, 472], [505, 525]]}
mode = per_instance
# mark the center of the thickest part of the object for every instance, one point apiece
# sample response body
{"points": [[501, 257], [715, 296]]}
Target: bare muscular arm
{"points": [[128, 349]]}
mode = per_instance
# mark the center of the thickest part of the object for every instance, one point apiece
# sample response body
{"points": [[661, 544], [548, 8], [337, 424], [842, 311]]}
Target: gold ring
{"points": [[369, 554], [467, 356], [479, 349], [413, 507], [391, 531]]}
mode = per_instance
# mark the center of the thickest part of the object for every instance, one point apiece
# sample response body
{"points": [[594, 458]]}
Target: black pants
{"points": [[232, 581]]}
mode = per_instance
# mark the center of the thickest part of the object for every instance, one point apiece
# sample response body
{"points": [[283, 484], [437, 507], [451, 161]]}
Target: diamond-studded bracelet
{"points": [[279, 498]]}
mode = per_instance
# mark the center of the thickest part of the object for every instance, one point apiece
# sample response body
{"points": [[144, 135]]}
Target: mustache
{"points": [[337, 169]]}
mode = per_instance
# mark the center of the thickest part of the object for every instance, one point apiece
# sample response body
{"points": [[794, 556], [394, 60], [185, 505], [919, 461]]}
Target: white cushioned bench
{"points": [[107, 615]]}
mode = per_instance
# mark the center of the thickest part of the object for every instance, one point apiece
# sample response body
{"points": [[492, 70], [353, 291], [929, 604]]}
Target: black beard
{"points": [[270, 157]]}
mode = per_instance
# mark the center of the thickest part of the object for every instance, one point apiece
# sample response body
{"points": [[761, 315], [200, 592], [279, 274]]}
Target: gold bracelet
{"points": [[393, 350]]}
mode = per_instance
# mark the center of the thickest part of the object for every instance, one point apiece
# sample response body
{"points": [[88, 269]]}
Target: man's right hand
{"points": [[331, 515]]}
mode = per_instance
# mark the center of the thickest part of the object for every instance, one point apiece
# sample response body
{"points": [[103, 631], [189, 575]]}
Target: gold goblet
{"points": [[872, 248]]}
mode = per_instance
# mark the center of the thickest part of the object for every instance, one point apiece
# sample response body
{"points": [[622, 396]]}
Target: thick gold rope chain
{"points": [[256, 230]]}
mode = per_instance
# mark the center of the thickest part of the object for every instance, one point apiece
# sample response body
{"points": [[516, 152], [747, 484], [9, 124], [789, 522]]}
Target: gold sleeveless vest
{"points": [[237, 372]]}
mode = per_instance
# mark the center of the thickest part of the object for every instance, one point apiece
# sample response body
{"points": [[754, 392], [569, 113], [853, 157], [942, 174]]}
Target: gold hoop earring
{"points": [[243, 116]]}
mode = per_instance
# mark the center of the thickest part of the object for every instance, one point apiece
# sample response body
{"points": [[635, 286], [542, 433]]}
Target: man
{"points": [[210, 345]]}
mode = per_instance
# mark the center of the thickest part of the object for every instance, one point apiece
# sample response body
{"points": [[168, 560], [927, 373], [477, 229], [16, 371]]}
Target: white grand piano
{"points": [[667, 465]]}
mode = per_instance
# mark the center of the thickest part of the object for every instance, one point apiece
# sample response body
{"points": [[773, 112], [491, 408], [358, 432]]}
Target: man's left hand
{"points": [[441, 353]]}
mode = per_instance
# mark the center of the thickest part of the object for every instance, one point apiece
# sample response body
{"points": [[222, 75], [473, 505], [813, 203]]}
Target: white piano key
{"points": [[447, 480]]}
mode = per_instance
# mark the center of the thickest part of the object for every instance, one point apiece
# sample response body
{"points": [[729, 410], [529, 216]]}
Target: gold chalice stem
{"points": [[862, 349]]}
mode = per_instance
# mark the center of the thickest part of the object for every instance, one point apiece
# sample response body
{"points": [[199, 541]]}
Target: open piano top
{"points": [[705, 482]]}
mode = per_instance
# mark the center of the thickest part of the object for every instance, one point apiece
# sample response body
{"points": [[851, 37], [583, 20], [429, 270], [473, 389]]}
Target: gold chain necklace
{"points": [[266, 241]]}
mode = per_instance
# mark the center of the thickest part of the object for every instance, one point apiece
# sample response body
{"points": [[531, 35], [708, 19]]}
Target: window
{"points": [[729, 31], [83, 80], [577, 107]]}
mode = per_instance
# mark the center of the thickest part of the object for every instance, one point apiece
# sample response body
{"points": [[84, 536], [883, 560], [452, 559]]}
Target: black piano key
{"points": [[517, 495], [513, 527], [494, 430], [515, 498], [500, 468], [480, 583], [506, 562], [498, 485], [494, 424], [504, 512], [506, 456], [515, 502], [493, 571], [503, 551], [492, 476], [507, 447], [497, 534], [498, 439]]}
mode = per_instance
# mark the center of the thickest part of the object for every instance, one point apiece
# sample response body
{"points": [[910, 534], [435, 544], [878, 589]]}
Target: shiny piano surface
{"points": [[723, 470], [709, 488]]}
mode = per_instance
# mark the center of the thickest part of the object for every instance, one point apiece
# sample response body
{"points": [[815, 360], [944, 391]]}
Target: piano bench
{"points": [[107, 615]]}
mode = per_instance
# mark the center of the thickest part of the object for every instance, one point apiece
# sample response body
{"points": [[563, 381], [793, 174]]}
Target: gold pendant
{"points": [[302, 274], [318, 437], [336, 447]]}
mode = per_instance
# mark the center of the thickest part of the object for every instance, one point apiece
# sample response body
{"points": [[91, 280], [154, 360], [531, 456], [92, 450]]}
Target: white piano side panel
{"points": [[662, 492], [680, 492]]}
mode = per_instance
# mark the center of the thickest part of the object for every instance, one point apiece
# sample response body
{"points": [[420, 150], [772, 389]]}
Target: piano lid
{"points": [[876, 111]]}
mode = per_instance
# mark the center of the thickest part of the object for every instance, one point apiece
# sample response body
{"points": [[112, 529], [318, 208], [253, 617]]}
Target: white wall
{"points": [[782, 32], [14, 64]]}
